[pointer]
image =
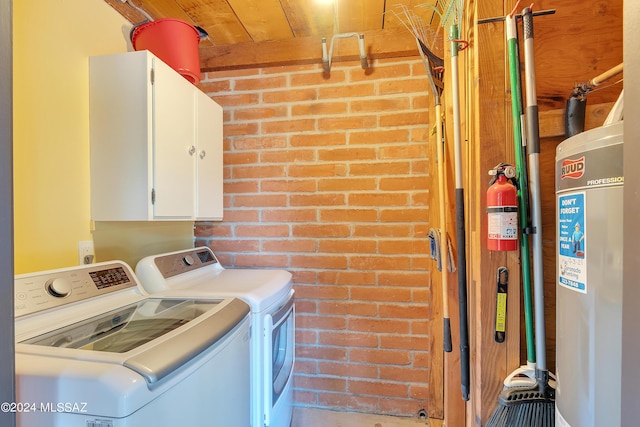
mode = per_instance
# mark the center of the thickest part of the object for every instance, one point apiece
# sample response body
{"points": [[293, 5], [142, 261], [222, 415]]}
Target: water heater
{"points": [[589, 183]]}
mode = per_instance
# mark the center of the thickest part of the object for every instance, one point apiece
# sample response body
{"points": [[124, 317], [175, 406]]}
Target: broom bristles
{"points": [[524, 407], [530, 414]]}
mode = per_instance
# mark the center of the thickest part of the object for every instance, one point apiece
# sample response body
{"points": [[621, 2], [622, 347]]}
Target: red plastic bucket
{"points": [[174, 41]]}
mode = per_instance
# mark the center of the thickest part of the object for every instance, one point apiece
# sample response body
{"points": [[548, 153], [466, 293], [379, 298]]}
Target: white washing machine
{"points": [[94, 350], [270, 295]]}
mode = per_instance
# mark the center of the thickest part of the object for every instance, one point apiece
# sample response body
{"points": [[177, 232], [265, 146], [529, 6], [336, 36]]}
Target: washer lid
{"points": [[261, 289], [154, 336], [126, 328]]}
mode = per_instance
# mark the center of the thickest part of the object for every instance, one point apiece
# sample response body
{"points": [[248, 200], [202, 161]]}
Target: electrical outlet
{"points": [[85, 252]]}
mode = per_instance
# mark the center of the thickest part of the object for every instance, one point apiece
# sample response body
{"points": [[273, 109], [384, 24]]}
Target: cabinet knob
{"points": [[192, 150], [203, 154]]}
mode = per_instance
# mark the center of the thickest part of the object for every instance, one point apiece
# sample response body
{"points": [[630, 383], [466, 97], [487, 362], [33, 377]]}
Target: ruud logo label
{"points": [[573, 169]]}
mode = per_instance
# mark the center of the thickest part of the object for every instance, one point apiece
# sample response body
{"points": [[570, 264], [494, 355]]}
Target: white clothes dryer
{"points": [[270, 295], [94, 350]]}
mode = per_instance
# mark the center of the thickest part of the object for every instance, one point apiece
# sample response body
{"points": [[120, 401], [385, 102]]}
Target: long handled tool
{"points": [[434, 66], [454, 17], [524, 376], [533, 150], [460, 217], [545, 409], [534, 405], [444, 240], [520, 144], [450, 13], [501, 413]]}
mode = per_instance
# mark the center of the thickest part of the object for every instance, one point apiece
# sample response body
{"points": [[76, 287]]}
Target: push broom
{"points": [[534, 405], [524, 375], [499, 417]]}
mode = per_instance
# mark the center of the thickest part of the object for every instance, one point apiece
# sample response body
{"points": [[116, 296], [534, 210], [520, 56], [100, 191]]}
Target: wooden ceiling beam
{"points": [[305, 50]]}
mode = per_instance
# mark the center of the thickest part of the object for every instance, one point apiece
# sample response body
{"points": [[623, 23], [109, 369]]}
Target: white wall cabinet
{"points": [[156, 142], [209, 180]]}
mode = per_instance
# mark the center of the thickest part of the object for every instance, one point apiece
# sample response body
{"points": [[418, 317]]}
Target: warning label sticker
{"points": [[572, 238], [503, 225]]}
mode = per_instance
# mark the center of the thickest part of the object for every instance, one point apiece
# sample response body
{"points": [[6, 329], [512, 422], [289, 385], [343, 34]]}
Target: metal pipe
{"points": [[587, 87]]}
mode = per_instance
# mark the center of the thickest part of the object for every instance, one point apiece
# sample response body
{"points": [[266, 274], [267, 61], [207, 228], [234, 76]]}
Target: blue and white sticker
{"points": [[572, 238]]}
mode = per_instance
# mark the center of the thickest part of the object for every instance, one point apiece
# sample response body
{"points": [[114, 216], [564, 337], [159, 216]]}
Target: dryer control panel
{"points": [[180, 262], [53, 288]]}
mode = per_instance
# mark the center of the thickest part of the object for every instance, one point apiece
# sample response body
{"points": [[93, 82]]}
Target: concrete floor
{"points": [[312, 417]]}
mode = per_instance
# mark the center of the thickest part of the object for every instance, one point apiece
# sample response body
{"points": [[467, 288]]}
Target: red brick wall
{"points": [[328, 179]]}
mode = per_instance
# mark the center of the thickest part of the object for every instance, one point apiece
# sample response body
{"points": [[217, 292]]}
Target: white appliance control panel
{"points": [[180, 262], [54, 288]]}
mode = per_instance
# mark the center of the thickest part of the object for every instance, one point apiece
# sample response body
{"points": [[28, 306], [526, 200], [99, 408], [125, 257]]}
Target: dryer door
{"points": [[279, 354]]}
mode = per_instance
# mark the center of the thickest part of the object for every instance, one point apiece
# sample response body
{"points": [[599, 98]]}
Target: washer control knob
{"points": [[58, 288], [188, 260]]}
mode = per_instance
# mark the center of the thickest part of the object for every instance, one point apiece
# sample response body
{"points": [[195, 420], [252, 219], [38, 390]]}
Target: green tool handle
{"points": [[523, 189]]}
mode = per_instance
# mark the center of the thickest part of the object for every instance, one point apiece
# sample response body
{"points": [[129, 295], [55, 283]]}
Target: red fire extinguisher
{"points": [[502, 209]]}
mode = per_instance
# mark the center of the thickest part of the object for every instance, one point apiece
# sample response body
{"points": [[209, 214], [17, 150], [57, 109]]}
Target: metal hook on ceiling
{"points": [[326, 57]]}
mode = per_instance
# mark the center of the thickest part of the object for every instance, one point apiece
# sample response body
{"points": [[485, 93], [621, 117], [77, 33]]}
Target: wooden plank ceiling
{"points": [[576, 43], [249, 33]]}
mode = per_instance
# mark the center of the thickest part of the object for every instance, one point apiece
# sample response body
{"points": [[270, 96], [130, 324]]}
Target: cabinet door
{"points": [[174, 148], [209, 162], [121, 116]]}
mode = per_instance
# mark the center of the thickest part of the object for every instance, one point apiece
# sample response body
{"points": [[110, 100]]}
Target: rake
{"points": [[450, 14], [434, 66]]}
